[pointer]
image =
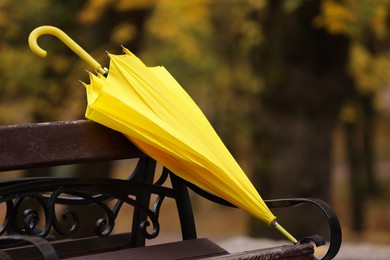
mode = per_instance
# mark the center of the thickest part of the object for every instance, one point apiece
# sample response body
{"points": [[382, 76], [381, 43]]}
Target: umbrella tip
{"points": [[284, 232], [83, 83], [125, 50]]}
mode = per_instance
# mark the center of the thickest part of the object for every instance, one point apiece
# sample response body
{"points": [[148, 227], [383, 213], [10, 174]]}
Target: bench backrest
{"points": [[63, 143], [60, 143]]}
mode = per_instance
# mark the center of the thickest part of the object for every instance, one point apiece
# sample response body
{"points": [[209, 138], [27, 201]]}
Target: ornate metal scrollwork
{"points": [[30, 217], [50, 193]]}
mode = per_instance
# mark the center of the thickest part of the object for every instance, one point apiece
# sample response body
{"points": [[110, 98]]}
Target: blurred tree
{"points": [[316, 60], [366, 24], [306, 82]]}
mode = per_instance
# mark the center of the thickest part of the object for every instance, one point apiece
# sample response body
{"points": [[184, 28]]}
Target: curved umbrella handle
{"points": [[42, 30]]}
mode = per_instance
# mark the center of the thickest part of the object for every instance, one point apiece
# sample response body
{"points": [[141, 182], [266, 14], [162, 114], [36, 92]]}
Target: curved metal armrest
{"points": [[333, 221]]}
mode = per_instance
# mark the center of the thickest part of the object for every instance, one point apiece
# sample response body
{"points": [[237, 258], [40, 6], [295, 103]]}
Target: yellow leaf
{"points": [[334, 17]]}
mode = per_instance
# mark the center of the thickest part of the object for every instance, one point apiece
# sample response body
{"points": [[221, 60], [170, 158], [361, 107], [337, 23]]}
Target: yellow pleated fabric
{"points": [[150, 108]]}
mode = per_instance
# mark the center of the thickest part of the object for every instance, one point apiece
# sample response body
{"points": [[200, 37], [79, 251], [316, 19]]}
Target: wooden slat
{"points": [[187, 249], [72, 247], [60, 143], [296, 252]]}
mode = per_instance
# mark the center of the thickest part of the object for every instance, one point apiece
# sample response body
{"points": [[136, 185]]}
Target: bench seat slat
{"points": [[61, 143], [187, 249], [69, 247], [296, 252]]}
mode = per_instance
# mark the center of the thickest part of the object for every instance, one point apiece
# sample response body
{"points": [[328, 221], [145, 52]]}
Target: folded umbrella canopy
{"points": [[151, 109]]}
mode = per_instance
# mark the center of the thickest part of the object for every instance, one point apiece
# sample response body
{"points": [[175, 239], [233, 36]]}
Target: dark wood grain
{"points": [[296, 252], [59, 143], [187, 249]]}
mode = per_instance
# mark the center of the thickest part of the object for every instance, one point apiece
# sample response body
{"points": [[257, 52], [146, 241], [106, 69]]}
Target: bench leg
{"points": [[148, 169], [184, 208]]}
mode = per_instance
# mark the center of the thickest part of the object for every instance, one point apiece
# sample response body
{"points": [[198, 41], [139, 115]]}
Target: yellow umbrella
{"points": [[151, 109]]}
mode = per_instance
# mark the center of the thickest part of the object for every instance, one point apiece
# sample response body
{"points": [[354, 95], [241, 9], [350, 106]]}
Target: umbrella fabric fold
{"points": [[153, 111]]}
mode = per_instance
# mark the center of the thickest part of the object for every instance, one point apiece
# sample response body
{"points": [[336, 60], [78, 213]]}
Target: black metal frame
{"points": [[135, 191], [326, 209]]}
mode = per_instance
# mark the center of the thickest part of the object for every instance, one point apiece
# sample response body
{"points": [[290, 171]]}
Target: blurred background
{"points": [[298, 90]]}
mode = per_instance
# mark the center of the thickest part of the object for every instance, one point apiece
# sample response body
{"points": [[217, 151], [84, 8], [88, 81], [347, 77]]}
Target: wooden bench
{"points": [[27, 234]]}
